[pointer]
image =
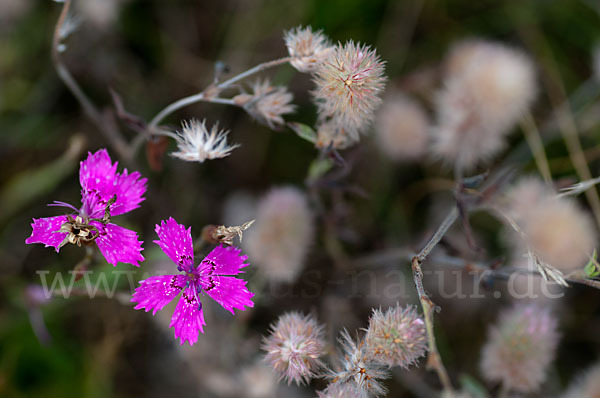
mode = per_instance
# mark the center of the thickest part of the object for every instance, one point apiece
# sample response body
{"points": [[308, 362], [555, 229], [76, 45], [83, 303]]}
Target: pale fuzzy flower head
{"points": [[339, 390], [279, 240], [555, 228], [331, 133], [196, 144], [585, 386], [294, 347], [402, 128], [348, 86], [307, 49], [520, 347], [267, 103], [359, 370], [396, 337], [488, 88], [258, 381]]}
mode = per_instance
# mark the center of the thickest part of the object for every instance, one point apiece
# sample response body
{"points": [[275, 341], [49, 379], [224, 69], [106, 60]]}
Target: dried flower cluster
{"points": [[402, 128], [487, 87], [307, 49], [279, 240], [196, 144], [267, 104], [396, 337], [555, 228], [359, 370], [348, 87], [294, 347], [520, 347]]}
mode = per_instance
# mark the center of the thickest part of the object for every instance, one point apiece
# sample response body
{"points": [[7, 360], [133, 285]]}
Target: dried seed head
{"points": [[307, 49], [294, 347], [267, 104], [396, 337], [348, 87], [279, 241], [339, 390], [196, 144], [520, 347], [559, 232], [402, 128], [487, 89], [359, 370]]}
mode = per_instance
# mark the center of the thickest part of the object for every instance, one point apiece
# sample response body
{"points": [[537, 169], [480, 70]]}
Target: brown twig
{"points": [[108, 129], [434, 360]]}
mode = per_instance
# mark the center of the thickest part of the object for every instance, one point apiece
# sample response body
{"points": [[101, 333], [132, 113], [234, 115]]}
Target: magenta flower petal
{"points": [[157, 291], [118, 244], [44, 231], [176, 242], [100, 182], [223, 260], [188, 318], [228, 291]]}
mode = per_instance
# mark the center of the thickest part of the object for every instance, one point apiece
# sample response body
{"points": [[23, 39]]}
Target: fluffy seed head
{"points": [[307, 49], [348, 86], [282, 234], [585, 386], [402, 128], [359, 370], [396, 337], [487, 89], [267, 104], [294, 347], [339, 390], [196, 144], [520, 347], [555, 228]]}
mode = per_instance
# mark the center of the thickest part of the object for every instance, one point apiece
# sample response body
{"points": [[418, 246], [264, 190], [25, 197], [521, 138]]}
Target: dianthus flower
{"points": [[104, 193], [213, 276]]}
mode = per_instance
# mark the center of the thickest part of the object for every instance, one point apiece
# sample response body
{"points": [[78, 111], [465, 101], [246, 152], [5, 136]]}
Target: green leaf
{"points": [[473, 387], [304, 131], [318, 168], [591, 268]]}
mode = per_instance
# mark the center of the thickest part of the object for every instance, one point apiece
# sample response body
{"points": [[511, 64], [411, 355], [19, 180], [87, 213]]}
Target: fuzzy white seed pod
{"points": [[555, 228], [402, 128], [279, 240], [196, 144], [359, 369], [520, 347], [348, 87], [396, 337], [488, 87], [339, 390], [294, 347], [267, 103], [307, 49]]}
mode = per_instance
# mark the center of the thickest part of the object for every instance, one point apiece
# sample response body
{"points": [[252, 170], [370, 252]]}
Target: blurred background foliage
{"points": [[154, 52]]}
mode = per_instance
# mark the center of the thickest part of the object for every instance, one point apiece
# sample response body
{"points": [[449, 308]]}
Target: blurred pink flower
{"points": [[213, 276], [105, 193]]}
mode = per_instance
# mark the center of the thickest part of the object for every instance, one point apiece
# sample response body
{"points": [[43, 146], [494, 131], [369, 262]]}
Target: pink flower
{"points": [[213, 276], [104, 193]]}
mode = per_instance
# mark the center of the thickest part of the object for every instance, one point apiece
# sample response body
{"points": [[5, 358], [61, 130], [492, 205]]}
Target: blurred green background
{"points": [[154, 52]]}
